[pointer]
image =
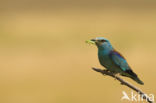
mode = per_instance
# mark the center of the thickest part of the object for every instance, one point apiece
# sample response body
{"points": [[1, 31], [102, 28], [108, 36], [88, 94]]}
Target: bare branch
{"points": [[123, 82]]}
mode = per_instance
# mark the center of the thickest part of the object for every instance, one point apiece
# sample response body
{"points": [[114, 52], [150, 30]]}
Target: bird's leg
{"points": [[106, 70]]}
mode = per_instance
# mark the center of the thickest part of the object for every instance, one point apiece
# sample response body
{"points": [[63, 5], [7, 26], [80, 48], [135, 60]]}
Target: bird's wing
{"points": [[119, 60]]}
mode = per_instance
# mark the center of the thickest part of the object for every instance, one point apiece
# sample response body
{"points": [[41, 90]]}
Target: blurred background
{"points": [[44, 57]]}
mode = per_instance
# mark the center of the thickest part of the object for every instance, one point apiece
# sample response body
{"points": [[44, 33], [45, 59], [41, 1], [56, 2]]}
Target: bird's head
{"points": [[101, 42]]}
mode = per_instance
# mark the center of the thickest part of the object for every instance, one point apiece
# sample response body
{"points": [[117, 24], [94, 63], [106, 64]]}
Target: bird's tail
{"points": [[133, 76], [138, 80]]}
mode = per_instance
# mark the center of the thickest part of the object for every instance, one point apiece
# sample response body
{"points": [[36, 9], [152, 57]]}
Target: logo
{"points": [[136, 96]]}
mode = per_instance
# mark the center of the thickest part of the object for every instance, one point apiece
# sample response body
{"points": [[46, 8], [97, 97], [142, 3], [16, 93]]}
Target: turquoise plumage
{"points": [[113, 60]]}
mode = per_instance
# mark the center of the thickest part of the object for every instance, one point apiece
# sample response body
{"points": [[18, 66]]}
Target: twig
{"points": [[123, 82]]}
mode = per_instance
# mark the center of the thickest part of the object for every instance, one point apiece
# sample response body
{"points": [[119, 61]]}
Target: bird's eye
{"points": [[103, 40]]}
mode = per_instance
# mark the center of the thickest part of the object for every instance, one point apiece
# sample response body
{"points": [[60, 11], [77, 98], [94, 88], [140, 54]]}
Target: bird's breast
{"points": [[104, 59]]}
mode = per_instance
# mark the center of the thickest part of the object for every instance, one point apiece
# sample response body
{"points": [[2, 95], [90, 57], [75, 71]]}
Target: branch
{"points": [[123, 82]]}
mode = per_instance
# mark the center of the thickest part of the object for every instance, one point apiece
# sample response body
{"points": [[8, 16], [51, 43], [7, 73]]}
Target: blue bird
{"points": [[112, 60]]}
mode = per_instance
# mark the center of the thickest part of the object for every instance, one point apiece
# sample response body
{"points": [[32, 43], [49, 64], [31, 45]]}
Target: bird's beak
{"points": [[92, 41]]}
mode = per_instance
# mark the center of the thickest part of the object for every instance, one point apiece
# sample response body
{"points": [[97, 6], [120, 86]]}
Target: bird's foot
{"points": [[105, 70]]}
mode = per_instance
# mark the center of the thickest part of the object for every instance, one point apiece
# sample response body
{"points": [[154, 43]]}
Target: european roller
{"points": [[112, 60]]}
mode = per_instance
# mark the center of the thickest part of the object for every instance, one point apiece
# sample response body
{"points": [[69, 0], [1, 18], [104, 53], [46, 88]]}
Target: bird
{"points": [[112, 60]]}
